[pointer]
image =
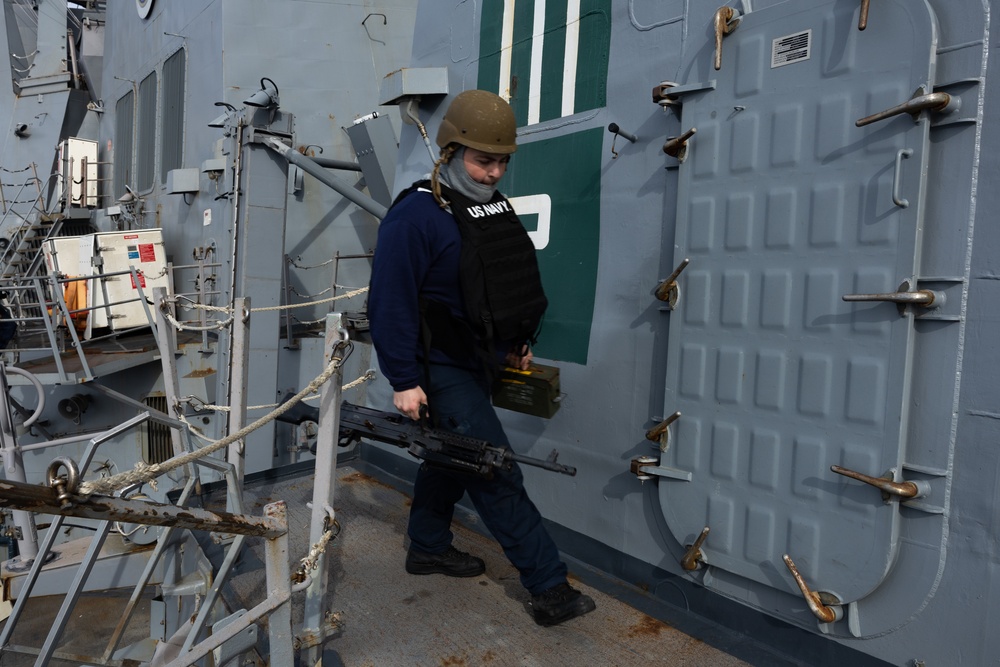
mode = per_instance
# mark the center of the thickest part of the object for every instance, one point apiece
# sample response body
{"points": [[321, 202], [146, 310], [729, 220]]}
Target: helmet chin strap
{"points": [[456, 176]]}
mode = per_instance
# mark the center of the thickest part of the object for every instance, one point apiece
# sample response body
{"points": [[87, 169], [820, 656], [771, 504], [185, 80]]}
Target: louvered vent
{"points": [[156, 447]]}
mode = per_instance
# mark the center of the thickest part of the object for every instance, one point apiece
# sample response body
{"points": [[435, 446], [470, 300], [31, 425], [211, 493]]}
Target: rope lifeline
{"points": [[145, 473]]}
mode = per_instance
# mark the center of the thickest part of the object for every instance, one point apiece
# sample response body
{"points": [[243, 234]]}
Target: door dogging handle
{"points": [[654, 434], [821, 609], [677, 146], [863, 18], [886, 485], [667, 289], [693, 557], [913, 106], [726, 21], [923, 297]]}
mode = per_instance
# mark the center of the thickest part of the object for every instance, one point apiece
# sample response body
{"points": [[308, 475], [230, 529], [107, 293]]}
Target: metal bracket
{"points": [[668, 93], [644, 467], [331, 624]]}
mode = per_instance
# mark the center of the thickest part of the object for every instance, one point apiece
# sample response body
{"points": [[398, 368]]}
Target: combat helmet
{"points": [[481, 120]]}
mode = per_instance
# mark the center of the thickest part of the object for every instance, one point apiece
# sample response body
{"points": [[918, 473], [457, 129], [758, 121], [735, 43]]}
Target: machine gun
{"points": [[435, 446]]}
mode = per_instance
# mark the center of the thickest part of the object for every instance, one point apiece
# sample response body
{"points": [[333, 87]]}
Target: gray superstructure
{"points": [[819, 172]]}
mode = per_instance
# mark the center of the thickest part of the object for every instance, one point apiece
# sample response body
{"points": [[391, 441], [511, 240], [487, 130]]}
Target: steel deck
{"points": [[391, 618]]}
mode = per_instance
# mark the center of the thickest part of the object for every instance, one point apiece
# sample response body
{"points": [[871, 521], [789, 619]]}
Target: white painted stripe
{"points": [[535, 83], [569, 62], [506, 47]]}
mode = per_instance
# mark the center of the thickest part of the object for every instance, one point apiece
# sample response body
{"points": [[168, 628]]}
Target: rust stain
{"points": [[647, 627], [201, 373], [357, 478], [453, 661], [488, 657]]}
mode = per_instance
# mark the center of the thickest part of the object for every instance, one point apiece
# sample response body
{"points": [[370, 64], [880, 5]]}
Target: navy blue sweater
{"points": [[419, 246]]}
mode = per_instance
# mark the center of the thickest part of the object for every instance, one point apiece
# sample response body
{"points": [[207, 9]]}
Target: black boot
{"points": [[451, 562], [559, 604]]}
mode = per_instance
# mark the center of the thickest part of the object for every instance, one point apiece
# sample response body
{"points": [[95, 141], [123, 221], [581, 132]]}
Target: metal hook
{"points": [[384, 20]]}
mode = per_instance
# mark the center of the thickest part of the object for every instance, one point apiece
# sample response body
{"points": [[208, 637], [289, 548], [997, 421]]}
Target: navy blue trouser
{"points": [[460, 402]]}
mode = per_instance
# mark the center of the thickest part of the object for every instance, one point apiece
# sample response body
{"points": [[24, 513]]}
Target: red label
{"points": [[142, 280], [131, 236], [147, 252]]}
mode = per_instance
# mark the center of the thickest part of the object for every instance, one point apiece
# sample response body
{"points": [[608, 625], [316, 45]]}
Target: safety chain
{"points": [[225, 309], [369, 375], [345, 295], [144, 473], [180, 326], [309, 296], [308, 266]]}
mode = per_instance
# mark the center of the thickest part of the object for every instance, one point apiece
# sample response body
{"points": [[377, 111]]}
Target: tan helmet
{"points": [[480, 120]]}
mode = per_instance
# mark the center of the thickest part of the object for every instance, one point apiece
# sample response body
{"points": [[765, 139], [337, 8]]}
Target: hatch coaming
{"points": [[784, 205]]}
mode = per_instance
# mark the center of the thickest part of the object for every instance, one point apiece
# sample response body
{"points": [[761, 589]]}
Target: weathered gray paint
{"points": [[947, 437], [933, 596]]}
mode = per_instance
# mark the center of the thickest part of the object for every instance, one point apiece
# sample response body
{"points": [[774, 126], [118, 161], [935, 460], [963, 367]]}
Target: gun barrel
{"points": [[544, 463]]}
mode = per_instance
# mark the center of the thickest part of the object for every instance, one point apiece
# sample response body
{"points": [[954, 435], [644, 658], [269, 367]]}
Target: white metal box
{"points": [[71, 256], [142, 249]]}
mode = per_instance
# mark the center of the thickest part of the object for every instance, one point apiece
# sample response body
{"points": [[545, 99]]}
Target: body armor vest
{"points": [[498, 271]]}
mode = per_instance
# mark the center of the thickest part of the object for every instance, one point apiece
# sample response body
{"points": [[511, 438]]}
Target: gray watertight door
{"points": [[784, 206]]}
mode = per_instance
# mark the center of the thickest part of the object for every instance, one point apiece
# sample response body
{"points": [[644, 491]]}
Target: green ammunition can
{"points": [[533, 392]]}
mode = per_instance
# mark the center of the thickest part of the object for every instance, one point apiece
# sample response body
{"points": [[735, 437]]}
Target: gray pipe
{"points": [[310, 166]]}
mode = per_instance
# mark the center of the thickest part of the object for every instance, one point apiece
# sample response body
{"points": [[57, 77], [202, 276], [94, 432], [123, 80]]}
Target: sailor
{"points": [[454, 291]]}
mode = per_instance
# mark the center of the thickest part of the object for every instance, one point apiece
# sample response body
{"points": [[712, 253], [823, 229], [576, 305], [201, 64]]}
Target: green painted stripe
{"points": [[592, 64], [553, 56], [520, 59], [489, 46]]}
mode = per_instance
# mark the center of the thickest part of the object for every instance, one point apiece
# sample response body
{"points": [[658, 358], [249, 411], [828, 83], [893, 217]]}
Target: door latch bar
{"points": [[644, 467], [863, 18], [826, 611], [913, 106], [886, 485]]}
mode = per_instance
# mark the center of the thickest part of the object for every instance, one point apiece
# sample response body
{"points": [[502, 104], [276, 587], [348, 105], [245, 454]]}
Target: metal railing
{"points": [[61, 500], [39, 307]]}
